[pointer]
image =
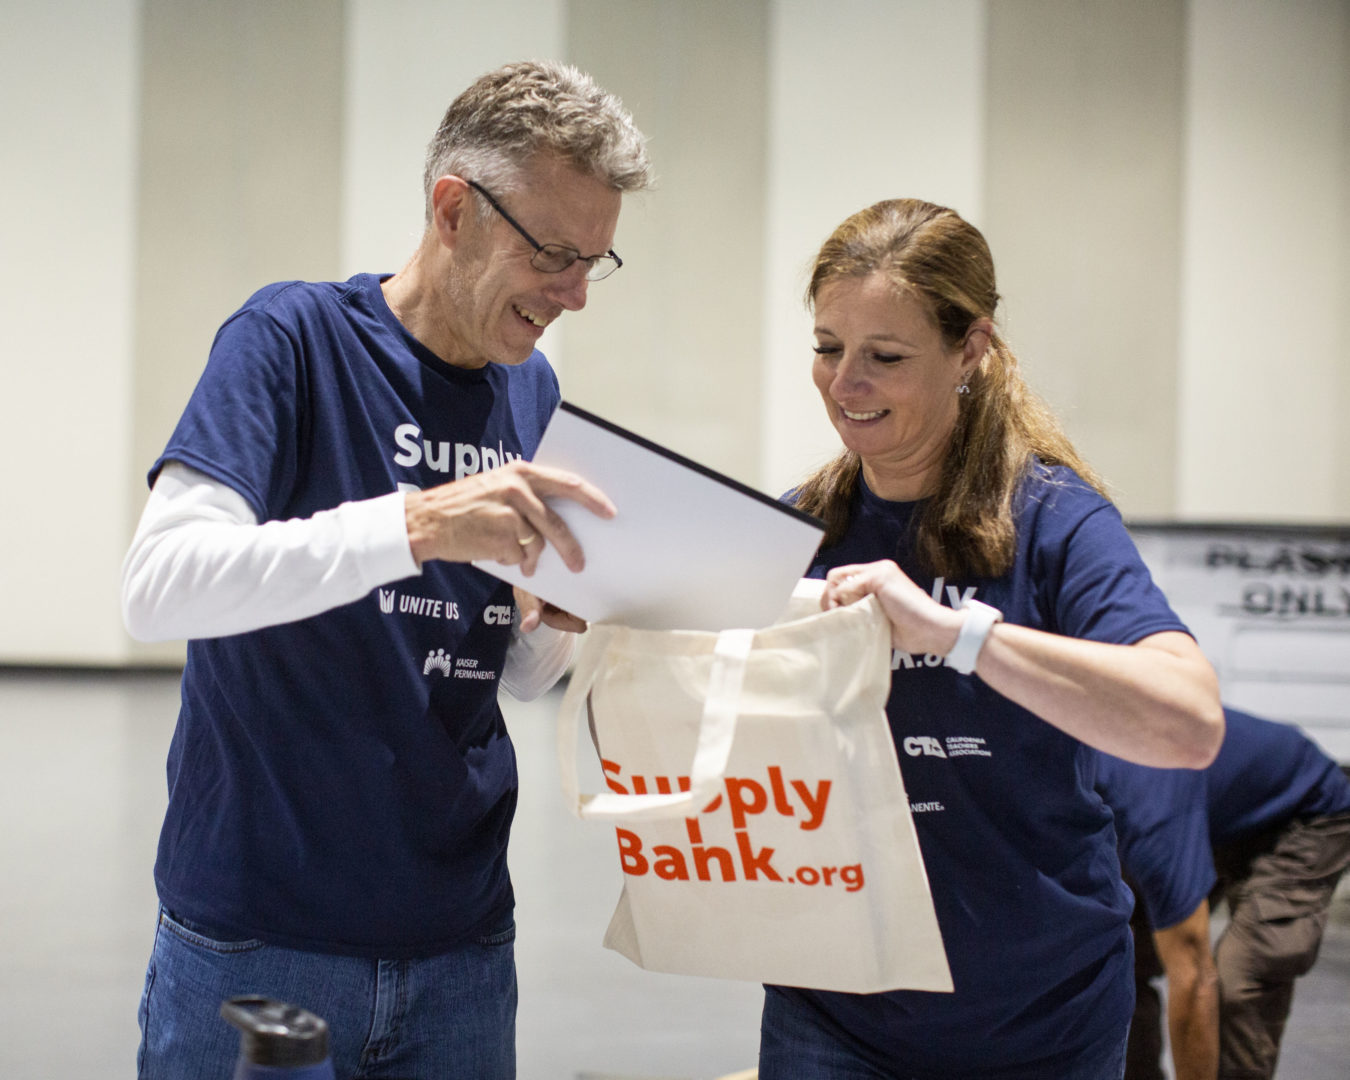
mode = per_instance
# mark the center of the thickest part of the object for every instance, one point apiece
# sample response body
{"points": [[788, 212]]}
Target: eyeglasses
{"points": [[555, 258]]}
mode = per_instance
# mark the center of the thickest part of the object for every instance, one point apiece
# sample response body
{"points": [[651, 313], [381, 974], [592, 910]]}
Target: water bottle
{"points": [[278, 1041]]}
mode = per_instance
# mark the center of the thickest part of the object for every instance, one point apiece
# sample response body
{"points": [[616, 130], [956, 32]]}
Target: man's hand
{"points": [[534, 611], [501, 515]]}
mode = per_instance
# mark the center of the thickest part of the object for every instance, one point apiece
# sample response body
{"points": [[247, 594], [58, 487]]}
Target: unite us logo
{"points": [[745, 799], [427, 607]]}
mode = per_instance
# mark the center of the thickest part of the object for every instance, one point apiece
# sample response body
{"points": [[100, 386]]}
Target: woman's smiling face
{"points": [[888, 381]]}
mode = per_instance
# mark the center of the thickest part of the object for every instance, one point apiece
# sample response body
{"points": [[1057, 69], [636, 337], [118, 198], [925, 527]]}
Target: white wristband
{"points": [[980, 619]]}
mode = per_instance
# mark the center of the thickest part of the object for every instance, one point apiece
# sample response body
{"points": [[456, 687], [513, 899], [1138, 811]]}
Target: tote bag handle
{"points": [[717, 731]]}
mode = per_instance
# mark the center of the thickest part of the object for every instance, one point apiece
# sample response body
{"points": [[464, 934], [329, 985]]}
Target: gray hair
{"points": [[508, 116]]}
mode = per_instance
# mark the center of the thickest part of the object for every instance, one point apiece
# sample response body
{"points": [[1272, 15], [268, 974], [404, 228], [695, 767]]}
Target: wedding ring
{"points": [[528, 540]]}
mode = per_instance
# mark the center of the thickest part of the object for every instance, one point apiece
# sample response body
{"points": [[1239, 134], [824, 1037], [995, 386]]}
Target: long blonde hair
{"points": [[967, 526]]}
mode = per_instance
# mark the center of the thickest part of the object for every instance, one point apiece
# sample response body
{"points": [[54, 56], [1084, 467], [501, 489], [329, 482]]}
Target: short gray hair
{"points": [[509, 115]]}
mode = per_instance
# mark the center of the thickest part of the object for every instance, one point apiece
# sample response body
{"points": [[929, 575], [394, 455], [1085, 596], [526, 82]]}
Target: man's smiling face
{"points": [[499, 303]]}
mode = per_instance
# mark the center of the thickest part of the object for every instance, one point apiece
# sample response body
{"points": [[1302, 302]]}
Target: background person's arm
{"points": [[1192, 995]]}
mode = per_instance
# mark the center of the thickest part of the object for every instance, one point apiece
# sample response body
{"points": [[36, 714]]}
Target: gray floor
{"points": [[81, 794]]}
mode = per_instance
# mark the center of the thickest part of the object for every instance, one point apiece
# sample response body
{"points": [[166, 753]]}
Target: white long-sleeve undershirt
{"points": [[201, 566]]}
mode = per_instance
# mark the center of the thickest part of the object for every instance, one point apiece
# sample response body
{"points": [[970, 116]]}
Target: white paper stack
{"points": [[690, 549]]}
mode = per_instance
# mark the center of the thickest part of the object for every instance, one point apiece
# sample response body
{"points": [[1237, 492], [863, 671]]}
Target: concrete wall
{"points": [[1264, 345], [238, 177], [864, 105], [69, 74], [672, 348], [1164, 185], [1083, 187]]}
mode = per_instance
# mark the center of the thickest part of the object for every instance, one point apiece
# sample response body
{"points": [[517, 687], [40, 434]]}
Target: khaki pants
{"points": [[1278, 886]]}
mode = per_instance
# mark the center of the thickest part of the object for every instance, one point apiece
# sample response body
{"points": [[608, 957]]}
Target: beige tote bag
{"points": [[762, 824]]}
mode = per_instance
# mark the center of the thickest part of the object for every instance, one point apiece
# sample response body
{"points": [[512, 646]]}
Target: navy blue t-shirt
{"points": [[1266, 773], [345, 783], [1162, 832], [1168, 820], [1019, 848]]}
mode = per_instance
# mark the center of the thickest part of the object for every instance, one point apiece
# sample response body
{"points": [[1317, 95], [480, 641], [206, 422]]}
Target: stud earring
{"points": [[963, 389]]}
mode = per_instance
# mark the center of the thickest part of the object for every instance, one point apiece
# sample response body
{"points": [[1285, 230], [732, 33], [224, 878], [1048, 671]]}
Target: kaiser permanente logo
{"points": [[464, 667], [437, 661], [747, 801], [464, 459]]}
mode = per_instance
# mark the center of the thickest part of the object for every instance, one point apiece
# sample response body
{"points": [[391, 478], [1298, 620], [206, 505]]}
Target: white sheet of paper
{"points": [[690, 549]]}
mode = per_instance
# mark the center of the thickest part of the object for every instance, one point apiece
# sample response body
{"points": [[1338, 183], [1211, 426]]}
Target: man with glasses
{"points": [[341, 783]]}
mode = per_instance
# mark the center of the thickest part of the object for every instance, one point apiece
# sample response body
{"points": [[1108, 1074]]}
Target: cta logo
{"points": [[497, 614], [956, 746], [919, 745]]}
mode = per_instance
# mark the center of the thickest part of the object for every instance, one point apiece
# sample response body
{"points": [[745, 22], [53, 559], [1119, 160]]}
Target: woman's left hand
{"points": [[919, 624], [1155, 702]]}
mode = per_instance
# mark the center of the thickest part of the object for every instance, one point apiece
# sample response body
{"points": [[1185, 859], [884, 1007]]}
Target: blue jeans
{"points": [[444, 1016], [796, 1043]]}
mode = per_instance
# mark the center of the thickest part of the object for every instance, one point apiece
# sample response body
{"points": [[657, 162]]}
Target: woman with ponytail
{"points": [[1026, 630]]}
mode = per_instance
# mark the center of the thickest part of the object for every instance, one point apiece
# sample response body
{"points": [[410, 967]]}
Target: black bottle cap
{"points": [[275, 1033]]}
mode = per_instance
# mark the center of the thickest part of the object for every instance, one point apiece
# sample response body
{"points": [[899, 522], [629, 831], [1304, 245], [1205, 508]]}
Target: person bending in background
{"points": [[1265, 829], [1026, 629], [341, 782], [1163, 839]]}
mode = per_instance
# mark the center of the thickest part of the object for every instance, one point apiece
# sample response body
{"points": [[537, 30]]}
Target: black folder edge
{"points": [[702, 470]]}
